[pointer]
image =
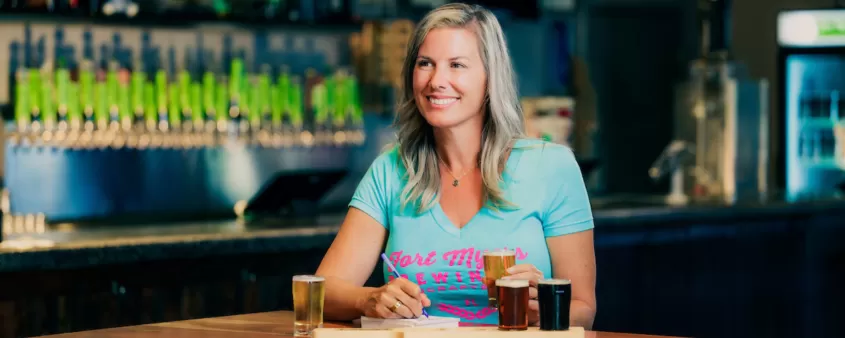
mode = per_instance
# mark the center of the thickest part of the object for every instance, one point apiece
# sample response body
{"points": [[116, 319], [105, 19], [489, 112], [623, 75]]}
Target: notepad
{"points": [[432, 321]]}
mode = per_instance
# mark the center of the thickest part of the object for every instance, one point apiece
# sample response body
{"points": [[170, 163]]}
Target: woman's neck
{"points": [[459, 147]]}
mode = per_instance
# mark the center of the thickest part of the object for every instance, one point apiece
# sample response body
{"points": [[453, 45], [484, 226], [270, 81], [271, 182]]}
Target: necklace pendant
{"points": [[455, 183]]}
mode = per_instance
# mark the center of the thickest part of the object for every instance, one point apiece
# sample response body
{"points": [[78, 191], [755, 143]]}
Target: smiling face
{"points": [[449, 78]]}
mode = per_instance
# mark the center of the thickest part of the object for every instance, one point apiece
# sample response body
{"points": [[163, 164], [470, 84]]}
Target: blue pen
{"points": [[396, 274]]}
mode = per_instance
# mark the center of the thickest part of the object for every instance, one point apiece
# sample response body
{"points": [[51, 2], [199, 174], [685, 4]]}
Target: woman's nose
{"points": [[439, 79]]}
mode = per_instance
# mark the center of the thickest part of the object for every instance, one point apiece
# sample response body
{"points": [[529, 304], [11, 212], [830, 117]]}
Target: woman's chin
{"points": [[443, 123], [446, 121]]}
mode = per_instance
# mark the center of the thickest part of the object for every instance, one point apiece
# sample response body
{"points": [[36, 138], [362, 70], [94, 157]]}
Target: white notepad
{"points": [[432, 321]]}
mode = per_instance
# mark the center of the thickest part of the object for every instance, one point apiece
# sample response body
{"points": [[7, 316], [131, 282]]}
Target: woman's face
{"points": [[449, 78]]}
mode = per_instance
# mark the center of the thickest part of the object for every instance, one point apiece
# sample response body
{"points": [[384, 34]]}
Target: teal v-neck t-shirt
{"points": [[541, 178]]}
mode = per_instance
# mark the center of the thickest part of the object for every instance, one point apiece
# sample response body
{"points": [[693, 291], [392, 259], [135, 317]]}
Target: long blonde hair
{"points": [[503, 120]]}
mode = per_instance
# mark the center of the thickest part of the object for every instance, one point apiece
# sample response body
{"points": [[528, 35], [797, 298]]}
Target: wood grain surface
{"points": [[266, 324]]}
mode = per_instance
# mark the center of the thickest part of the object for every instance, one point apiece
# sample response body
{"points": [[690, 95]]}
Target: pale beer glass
{"points": [[308, 294], [513, 304], [496, 264]]}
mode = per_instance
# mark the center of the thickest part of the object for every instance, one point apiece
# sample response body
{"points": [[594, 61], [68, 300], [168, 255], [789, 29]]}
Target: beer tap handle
{"points": [[673, 161]]}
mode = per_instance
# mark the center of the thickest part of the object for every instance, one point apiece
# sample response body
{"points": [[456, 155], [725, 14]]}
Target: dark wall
{"points": [[636, 52], [744, 277]]}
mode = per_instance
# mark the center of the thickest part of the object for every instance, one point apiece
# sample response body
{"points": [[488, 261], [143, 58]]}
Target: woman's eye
{"points": [[458, 65], [423, 63]]}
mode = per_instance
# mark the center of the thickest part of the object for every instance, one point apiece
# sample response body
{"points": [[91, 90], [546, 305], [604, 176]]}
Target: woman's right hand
{"points": [[400, 298]]}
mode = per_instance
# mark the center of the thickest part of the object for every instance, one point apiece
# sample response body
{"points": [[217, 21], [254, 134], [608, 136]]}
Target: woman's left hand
{"points": [[532, 275]]}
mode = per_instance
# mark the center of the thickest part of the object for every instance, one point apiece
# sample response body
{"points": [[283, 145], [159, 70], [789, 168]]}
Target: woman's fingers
{"points": [[426, 302], [382, 311], [410, 307], [533, 312], [527, 272], [520, 268]]}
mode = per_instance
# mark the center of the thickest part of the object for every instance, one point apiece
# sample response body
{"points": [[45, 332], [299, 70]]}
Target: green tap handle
{"points": [[243, 101], [236, 81], [295, 104], [35, 92], [150, 106], [101, 105], [161, 94], [185, 93], [139, 81], [86, 88], [319, 100], [197, 115], [23, 108], [282, 104], [222, 101], [264, 106], [341, 101], [62, 85], [174, 113], [255, 103], [209, 87], [113, 90], [48, 108], [124, 103], [74, 108]]}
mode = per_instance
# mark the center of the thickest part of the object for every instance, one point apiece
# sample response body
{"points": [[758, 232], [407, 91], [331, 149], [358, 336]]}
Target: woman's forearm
{"points": [[581, 314], [344, 301]]}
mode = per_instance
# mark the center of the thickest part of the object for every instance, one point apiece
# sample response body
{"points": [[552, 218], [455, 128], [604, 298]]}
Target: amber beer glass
{"points": [[513, 304], [553, 296], [308, 294], [496, 264]]}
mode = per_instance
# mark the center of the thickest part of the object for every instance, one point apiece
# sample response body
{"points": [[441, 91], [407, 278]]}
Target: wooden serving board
{"points": [[354, 333], [461, 332]]}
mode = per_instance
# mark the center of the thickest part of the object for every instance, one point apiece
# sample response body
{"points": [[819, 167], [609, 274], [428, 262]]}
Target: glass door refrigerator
{"points": [[812, 93]]}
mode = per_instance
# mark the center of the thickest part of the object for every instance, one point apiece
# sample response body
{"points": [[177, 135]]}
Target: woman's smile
{"points": [[441, 102]]}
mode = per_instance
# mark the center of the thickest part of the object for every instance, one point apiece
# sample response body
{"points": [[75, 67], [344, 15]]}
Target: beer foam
{"points": [[555, 281], [512, 283], [501, 253], [308, 278]]}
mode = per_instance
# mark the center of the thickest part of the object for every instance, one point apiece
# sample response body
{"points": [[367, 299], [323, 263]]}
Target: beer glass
{"points": [[554, 296], [513, 304], [308, 294], [496, 264]]}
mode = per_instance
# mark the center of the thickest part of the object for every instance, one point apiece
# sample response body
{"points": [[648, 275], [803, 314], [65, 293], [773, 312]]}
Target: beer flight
{"points": [[509, 296]]}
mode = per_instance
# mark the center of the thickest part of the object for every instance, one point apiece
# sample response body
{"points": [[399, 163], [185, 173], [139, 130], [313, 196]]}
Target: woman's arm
{"points": [[573, 257], [348, 264], [568, 227]]}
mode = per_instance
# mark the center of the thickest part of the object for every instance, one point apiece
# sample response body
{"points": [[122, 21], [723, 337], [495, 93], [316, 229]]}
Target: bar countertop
{"points": [[270, 324], [70, 246]]}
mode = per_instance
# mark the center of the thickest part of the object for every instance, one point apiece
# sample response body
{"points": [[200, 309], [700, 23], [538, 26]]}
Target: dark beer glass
{"points": [[513, 304], [554, 296]]}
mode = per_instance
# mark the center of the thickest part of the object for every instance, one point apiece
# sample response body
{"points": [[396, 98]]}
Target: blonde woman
{"points": [[462, 179]]}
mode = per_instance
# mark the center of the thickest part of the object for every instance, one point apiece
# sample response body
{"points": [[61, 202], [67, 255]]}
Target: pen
{"points": [[396, 274]]}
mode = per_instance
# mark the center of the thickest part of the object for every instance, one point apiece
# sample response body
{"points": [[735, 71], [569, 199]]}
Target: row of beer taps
{"points": [[186, 136]]}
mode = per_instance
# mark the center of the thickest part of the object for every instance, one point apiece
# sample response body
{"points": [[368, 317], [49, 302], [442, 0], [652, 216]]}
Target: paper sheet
{"points": [[432, 321]]}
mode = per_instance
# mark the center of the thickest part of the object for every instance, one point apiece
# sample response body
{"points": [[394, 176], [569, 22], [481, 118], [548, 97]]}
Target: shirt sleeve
{"points": [[372, 194], [567, 207]]}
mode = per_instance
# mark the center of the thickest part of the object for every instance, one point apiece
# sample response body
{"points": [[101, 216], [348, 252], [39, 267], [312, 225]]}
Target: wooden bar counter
{"points": [[265, 324]]}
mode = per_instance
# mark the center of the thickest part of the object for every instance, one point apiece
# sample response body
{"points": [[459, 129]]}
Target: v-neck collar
{"points": [[509, 177]]}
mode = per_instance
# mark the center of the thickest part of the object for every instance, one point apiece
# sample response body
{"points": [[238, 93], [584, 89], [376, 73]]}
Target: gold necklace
{"points": [[456, 179]]}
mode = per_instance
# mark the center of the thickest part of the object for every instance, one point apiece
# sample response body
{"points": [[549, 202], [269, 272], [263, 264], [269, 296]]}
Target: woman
{"points": [[462, 179]]}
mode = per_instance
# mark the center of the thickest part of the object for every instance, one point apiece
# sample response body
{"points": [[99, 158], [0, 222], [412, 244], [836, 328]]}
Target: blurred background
{"points": [[177, 159]]}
